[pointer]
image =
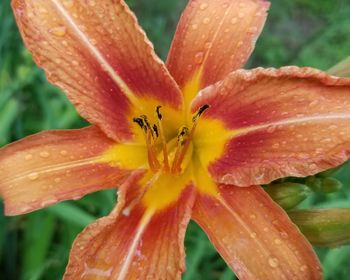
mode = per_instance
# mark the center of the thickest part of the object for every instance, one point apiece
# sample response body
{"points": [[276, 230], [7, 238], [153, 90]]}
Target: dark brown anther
{"points": [[200, 111], [155, 129], [140, 122], [159, 114]]}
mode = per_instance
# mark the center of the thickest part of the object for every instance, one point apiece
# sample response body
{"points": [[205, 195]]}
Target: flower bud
{"points": [[330, 185], [288, 195], [324, 227]]}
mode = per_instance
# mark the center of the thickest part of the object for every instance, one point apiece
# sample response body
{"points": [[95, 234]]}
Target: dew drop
{"points": [[58, 31], [303, 268], [28, 157], [63, 153], [33, 176], [194, 26], [44, 154], [253, 235], [91, 3], [234, 20], [199, 57], [273, 262], [252, 216], [203, 6], [206, 20], [57, 180], [241, 15], [277, 241]]}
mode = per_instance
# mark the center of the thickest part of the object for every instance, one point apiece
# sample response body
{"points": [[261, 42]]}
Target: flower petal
{"points": [[96, 52], [214, 38], [51, 166], [142, 244], [255, 236], [275, 123]]}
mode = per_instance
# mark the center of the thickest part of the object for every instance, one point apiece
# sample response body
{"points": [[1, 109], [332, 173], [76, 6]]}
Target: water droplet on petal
{"points": [[194, 26], [91, 3], [206, 20], [303, 268], [277, 241], [199, 57], [44, 154], [203, 6], [58, 31], [33, 176], [234, 20], [253, 235], [28, 157], [241, 15], [273, 262], [63, 152]]}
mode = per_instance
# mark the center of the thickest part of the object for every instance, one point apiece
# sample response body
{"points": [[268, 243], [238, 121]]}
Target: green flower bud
{"points": [[288, 195], [324, 227], [314, 183], [330, 185]]}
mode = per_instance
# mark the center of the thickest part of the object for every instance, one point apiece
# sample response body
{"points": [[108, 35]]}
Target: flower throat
{"points": [[163, 155]]}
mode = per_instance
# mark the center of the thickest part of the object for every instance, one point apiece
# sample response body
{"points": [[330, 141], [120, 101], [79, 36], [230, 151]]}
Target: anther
{"points": [[155, 129], [140, 122], [159, 114], [200, 111], [183, 132]]}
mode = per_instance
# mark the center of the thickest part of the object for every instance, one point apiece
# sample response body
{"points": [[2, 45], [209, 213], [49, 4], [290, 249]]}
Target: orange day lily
{"points": [[190, 139]]}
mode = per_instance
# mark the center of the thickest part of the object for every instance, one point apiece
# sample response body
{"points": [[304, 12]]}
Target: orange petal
{"points": [[255, 236], [96, 52], [138, 245], [51, 166], [286, 122], [214, 38]]}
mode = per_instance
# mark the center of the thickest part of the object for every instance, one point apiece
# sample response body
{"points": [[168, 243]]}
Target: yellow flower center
{"points": [[169, 156]]}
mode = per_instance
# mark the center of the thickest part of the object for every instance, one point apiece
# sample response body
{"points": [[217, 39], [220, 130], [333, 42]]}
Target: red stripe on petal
{"points": [[52, 166], [215, 37], [137, 245], [98, 54], [254, 235]]}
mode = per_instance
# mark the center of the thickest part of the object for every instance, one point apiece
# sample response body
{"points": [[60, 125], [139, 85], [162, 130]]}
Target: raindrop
{"points": [[194, 26], [203, 6], [199, 57], [303, 268], [28, 157], [241, 15], [234, 20], [253, 235], [63, 152], [91, 3], [44, 154], [57, 180], [58, 31], [33, 176], [277, 241], [206, 20], [273, 262]]}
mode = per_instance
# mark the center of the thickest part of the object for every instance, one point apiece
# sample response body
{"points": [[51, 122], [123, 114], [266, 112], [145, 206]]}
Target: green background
{"points": [[36, 246]]}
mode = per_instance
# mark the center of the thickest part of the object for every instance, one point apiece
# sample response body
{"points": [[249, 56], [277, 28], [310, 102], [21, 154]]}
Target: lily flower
{"points": [[192, 138]]}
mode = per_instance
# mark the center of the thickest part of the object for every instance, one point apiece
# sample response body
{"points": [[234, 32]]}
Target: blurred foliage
{"points": [[36, 246]]}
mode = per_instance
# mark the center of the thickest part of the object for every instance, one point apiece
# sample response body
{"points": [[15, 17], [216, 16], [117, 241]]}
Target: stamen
{"points": [[181, 140], [142, 121], [162, 137], [200, 111], [179, 158]]}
